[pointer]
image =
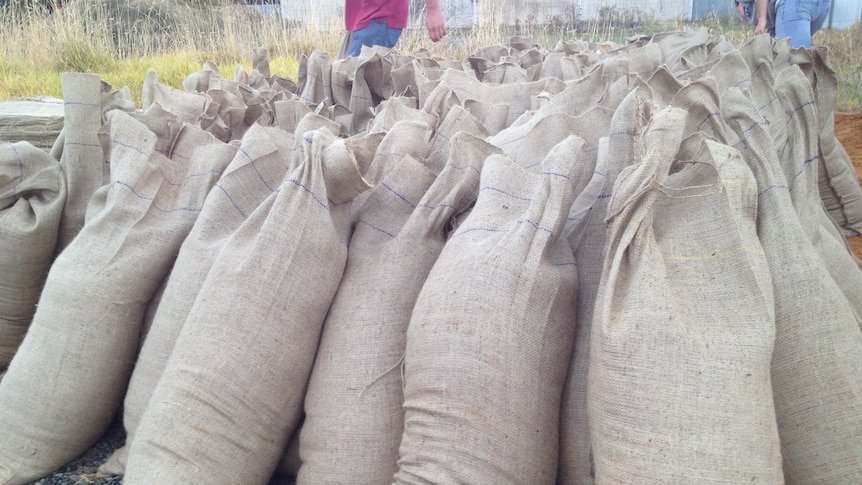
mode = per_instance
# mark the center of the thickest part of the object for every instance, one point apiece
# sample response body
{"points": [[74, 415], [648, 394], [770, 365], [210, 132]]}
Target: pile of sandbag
{"points": [[585, 264]]}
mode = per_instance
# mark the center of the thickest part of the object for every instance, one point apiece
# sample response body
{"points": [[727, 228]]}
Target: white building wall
{"points": [[657, 9], [844, 14], [324, 14]]}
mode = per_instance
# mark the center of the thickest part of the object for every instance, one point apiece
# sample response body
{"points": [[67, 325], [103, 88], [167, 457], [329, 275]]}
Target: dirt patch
{"points": [[848, 130]]}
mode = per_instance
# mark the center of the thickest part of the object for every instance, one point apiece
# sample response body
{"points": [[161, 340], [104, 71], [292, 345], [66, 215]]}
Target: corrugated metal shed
{"points": [[844, 13]]}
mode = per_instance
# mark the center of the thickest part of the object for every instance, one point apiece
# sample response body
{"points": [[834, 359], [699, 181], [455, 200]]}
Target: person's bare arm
{"points": [[760, 6], [434, 20], [741, 11]]}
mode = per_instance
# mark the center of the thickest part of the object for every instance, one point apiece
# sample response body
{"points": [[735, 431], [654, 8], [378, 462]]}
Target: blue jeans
{"points": [[377, 33], [799, 20]]}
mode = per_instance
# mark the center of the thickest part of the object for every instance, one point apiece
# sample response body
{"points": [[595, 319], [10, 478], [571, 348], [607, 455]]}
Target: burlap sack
{"points": [[407, 78], [839, 187], [193, 108], [727, 71], [519, 96], [396, 109], [492, 115], [253, 174], [760, 84], [81, 155], [343, 70], [289, 112], [587, 92], [315, 73], [679, 381], [32, 194], [528, 143], [405, 138], [199, 81], [798, 160], [818, 345], [372, 83], [587, 235], [644, 60], [683, 50], [457, 120], [232, 389], [67, 380], [353, 414], [490, 336]]}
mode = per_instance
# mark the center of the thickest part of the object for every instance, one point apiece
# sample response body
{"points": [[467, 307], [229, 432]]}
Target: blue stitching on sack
{"points": [[505, 193], [81, 103], [799, 173], [536, 225], [555, 174], [800, 108], [773, 186], [313, 195], [177, 155], [375, 228], [166, 211], [621, 133], [389, 188], [231, 200], [130, 147], [468, 167], [483, 229], [774, 99], [201, 174], [76, 143], [429, 206], [251, 161], [716, 113]]}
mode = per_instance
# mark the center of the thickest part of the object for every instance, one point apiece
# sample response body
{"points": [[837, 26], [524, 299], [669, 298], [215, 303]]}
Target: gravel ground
{"points": [[84, 470]]}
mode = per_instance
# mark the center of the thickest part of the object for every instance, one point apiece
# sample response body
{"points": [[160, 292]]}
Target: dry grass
{"points": [[120, 40]]}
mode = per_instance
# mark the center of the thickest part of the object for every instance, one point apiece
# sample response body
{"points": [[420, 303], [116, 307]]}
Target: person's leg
{"points": [[796, 19], [377, 33]]}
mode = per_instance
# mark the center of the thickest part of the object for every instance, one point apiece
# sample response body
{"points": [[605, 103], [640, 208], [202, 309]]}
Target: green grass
{"points": [[120, 40]]}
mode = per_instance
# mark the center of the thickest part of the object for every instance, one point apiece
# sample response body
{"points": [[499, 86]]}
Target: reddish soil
{"points": [[848, 130]]}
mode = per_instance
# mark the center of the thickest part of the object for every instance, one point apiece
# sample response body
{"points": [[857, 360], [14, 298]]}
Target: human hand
{"points": [[761, 27], [435, 23]]}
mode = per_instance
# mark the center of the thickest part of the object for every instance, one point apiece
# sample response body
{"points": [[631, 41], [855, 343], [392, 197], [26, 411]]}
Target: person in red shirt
{"points": [[380, 22]]}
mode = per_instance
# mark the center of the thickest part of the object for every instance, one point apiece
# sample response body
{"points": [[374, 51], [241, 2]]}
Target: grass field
{"points": [[121, 40]]}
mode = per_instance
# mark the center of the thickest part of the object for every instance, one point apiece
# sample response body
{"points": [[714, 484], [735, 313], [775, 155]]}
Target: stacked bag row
{"points": [[597, 263]]}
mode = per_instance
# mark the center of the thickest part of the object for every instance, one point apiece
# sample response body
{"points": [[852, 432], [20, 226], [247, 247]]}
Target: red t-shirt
{"points": [[359, 13]]}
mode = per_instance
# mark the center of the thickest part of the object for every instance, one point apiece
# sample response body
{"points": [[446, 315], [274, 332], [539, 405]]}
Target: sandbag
{"points": [[252, 175], [489, 340], [86, 102], [817, 359], [798, 158], [353, 414], [679, 386], [232, 390], [67, 380], [587, 234], [32, 194]]}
